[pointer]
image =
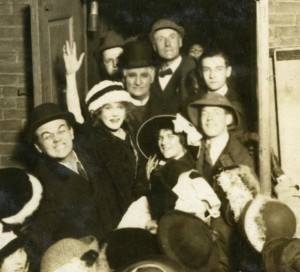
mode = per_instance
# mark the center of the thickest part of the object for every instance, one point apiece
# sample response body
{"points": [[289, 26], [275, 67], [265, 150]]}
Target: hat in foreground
{"points": [[186, 239]]}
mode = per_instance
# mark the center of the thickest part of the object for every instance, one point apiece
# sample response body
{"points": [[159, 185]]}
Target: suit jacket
{"points": [[172, 99], [71, 206]]}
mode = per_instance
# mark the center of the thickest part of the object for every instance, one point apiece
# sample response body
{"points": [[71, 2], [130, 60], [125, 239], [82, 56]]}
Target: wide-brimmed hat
{"points": [[20, 195], [213, 100], [155, 264], [189, 241], [129, 245], [166, 23], [265, 219], [137, 54], [147, 135], [65, 250], [111, 40], [104, 92], [45, 113]]}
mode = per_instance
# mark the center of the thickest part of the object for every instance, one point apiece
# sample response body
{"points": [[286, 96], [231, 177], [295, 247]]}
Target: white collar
{"points": [[72, 164], [174, 65], [142, 102], [217, 145], [222, 91]]}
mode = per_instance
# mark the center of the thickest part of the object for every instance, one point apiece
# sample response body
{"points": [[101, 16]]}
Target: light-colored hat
{"points": [[266, 219], [104, 92], [166, 23], [65, 250]]}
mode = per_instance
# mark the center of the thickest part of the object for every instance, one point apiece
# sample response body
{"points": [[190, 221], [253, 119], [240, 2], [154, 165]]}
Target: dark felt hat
{"points": [[20, 195], [137, 54], [130, 245], [155, 264], [147, 134], [266, 219], [111, 40], [209, 99], [187, 240], [166, 23], [45, 113]]}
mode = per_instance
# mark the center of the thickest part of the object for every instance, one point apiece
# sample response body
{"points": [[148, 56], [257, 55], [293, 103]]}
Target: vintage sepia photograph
{"points": [[149, 136]]}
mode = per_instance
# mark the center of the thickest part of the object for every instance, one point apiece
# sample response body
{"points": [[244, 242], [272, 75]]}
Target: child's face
{"points": [[113, 115], [215, 72], [16, 262]]}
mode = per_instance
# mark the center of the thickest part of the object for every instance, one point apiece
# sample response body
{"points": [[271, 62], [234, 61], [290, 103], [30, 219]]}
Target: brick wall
{"points": [[15, 77], [284, 19]]}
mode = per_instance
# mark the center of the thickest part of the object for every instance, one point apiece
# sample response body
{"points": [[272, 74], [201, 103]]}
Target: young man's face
{"points": [[55, 139], [138, 81], [215, 72], [113, 115], [214, 121], [169, 144], [16, 262], [167, 43], [111, 59]]}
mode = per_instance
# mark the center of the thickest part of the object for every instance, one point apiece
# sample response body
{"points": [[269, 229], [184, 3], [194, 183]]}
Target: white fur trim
{"points": [[6, 237], [254, 224], [111, 97], [149, 266], [30, 206]]}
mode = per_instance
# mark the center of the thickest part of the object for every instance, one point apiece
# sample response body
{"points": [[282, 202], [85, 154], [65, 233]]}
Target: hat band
{"points": [[103, 92]]}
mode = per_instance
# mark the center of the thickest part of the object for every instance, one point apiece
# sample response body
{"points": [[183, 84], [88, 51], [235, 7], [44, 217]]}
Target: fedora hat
{"points": [[45, 113], [111, 40], [137, 54], [187, 240], [166, 23], [213, 100], [147, 134], [129, 245]]}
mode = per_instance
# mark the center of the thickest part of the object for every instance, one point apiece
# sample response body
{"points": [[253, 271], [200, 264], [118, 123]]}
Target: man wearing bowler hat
{"points": [[137, 64], [76, 194], [168, 88]]}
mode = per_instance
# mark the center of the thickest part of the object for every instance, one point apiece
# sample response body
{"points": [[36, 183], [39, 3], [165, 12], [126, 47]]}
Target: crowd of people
{"points": [[153, 172]]}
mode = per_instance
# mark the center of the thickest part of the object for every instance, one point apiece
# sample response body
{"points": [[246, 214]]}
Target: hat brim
{"points": [[146, 138], [176, 219], [194, 110], [68, 116]]}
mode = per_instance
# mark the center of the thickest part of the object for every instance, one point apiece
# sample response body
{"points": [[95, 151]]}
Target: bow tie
{"points": [[165, 72]]}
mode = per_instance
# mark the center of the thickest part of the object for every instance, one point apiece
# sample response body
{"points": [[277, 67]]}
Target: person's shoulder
{"points": [[187, 64]]}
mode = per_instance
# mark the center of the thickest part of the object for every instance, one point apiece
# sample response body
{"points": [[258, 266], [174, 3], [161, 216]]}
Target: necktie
{"points": [[81, 171], [165, 72], [207, 153]]}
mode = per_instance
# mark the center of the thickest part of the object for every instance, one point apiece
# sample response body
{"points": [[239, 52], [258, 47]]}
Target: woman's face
{"points": [[16, 262], [169, 144], [113, 115]]}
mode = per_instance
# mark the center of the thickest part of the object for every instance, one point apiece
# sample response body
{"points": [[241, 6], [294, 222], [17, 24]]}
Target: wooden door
{"points": [[52, 23]]}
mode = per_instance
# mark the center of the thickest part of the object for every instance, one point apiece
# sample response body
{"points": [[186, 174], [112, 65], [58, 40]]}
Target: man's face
{"points": [[55, 139], [214, 121], [169, 144], [167, 43], [111, 59], [215, 72], [138, 81], [113, 115], [16, 262]]}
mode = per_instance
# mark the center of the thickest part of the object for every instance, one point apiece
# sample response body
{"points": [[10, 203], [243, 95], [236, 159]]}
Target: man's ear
{"points": [[180, 41], [229, 119], [38, 148], [228, 71]]}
